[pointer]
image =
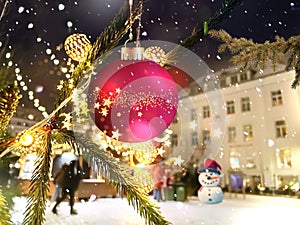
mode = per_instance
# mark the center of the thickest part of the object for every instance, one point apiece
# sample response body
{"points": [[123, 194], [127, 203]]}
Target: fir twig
{"points": [[3, 11], [4, 211], [246, 53], [119, 177], [40, 183], [9, 100], [220, 16]]}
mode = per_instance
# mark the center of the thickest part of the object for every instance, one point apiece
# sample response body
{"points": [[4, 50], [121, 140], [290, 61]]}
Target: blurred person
{"points": [[68, 179], [158, 180], [59, 176]]}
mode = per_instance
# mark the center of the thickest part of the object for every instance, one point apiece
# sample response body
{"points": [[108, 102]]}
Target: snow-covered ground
{"points": [[258, 210]]}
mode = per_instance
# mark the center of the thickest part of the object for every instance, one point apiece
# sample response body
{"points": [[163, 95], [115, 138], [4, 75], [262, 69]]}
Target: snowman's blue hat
{"points": [[211, 166]]}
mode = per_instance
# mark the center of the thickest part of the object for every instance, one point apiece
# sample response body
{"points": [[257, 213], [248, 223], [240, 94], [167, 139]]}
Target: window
{"points": [[230, 107], [276, 98], [206, 112], [194, 138], [250, 163], [174, 140], [193, 114], [223, 83], [244, 77], [231, 134], [206, 137], [245, 104], [280, 129], [247, 132], [283, 157], [234, 79], [234, 159]]}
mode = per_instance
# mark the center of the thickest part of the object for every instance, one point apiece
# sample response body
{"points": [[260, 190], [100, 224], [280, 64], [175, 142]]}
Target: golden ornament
{"points": [[32, 141], [28, 142], [156, 54], [77, 47], [144, 178], [145, 153]]}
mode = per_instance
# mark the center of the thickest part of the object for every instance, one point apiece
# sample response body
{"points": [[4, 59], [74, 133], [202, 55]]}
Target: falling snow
{"points": [[35, 29]]}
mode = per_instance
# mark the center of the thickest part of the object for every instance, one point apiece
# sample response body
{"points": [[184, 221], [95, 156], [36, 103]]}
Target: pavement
{"points": [[234, 210]]}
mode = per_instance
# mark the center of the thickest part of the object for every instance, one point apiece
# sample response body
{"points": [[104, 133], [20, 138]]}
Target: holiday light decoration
{"points": [[26, 140], [145, 152], [143, 178], [77, 46], [27, 143]]}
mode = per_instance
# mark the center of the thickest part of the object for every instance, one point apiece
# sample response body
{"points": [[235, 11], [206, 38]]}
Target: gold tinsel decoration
{"points": [[145, 153], [156, 54], [77, 46], [144, 178], [4, 211]]}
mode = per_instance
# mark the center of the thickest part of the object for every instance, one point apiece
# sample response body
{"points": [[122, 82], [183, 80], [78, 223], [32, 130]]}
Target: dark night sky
{"points": [[167, 20]]}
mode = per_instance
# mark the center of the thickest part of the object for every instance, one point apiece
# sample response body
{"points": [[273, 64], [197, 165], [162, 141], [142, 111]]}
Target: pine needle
{"points": [[4, 211], [40, 184], [247, 54], [120, 176], [9, 100], [220, 16]]}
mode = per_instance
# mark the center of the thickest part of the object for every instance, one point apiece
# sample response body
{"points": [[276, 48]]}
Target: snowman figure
{"points": [[209, 179]]}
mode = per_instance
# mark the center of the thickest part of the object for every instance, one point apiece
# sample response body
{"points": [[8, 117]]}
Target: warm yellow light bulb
{"points": [[26, 140]]}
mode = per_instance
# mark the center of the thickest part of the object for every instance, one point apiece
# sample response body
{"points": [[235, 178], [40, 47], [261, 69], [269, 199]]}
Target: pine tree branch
{"points": [[40, 183], [3, 10], [220, 16], [246, 53], [120, 177], [4, 211], [9, 100]]}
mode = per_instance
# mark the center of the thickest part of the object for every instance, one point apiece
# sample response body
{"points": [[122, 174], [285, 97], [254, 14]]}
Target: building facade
{"points": [[23, 119], [259, 131]]}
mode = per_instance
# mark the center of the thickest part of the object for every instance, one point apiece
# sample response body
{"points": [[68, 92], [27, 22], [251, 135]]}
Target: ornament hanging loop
{"points": [[137, 52]]}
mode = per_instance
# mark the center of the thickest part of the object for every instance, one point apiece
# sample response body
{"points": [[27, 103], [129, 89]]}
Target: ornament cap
{"points": [[132, 53]]}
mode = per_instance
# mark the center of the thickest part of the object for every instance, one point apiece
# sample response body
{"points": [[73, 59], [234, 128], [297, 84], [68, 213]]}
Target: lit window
{"points": [[231, 134], [245, 104], [234, 159], [247, 132], [206, 112], [280, 129], [250, 163], [283, 157], [276, 98], [230, 107], [194, 138]]}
